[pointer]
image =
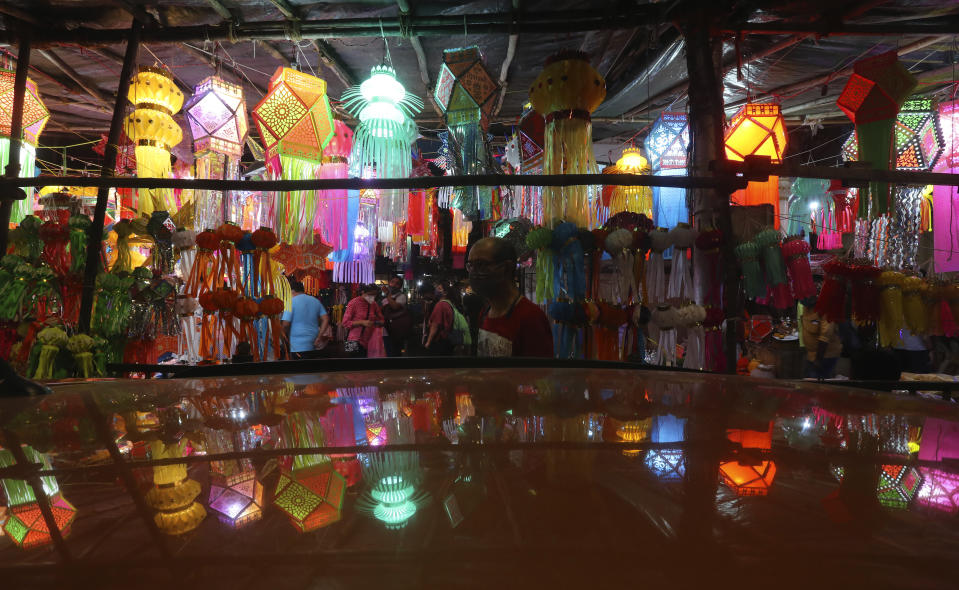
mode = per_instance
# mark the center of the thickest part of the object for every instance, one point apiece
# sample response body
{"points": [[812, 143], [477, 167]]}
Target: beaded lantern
{"points": [[154, 132], [466, 93], [872, 97], [749, 477], [668, 148], [35, 117], [758, 130], [217, 116], [295, 123], [635, 199], [945, 200], [382, 143], [566, 93], [393, 496], [25, 524]]}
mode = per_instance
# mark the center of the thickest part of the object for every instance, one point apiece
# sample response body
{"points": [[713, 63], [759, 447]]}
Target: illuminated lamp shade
{"points": [[237, 496], [383, 141], [35, 117], [667, 146], [312, 497], [871, 99], [635, 199], [918, 137], [154, 133], [393, 496], [466, 92], [749, 477], [217, 116], [566, 93], [945, 199], [667, 463], [174, 494], [758, 130], [633, 431], [939, 491], [898, 484], [25, 524], [376, 434], [295, 124]]}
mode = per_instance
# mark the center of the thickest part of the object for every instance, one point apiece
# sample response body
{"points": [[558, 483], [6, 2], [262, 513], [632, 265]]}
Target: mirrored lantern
{"points": [[25, 524], [752, 474], [312, 497]]}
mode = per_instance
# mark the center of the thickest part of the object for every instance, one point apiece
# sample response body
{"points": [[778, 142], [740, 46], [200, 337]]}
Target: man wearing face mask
{"points": [[510, 325]]}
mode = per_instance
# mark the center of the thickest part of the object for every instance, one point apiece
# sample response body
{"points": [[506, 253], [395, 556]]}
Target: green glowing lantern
{"points": [[393, 497]]}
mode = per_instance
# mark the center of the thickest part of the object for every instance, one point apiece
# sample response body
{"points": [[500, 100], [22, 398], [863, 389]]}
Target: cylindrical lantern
{"points": [[217, 116], [154, 132], [566, 93], [758, 130], [635, 199], [667, 146], [382, 142], [295, 125], [35, 117]]}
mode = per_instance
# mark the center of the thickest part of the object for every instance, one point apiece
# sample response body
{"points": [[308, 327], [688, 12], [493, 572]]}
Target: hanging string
{"points": [[387, 58]]}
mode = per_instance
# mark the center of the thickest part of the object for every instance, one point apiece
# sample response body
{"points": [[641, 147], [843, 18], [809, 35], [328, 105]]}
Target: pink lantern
{"points": [[945, 199], [940, 490], [331, 219]]}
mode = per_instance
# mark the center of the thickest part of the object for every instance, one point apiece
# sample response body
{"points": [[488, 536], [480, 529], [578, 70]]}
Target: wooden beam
{"points": [[511, 45], [224, 12], [134, 10], [288, 11], [275, 52], [332, 61], [22, 15], [422, 64], [216, 59], [64, 67]]}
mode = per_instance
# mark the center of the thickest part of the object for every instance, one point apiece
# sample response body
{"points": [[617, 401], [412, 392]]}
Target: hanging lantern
{"points": [[35, 117], [566, 93], [633, 431], [877, 88], [25, 524], [898, 484], [749, 477], [940, 490], [217, 116], [758, 130], [945, 201], [382, 143], [333, 219], [635, 199], [295, 125], [667, 463], [393, 497], [154, 132], [466, 93], [531, 137], [174, 494], [236, 495], [668, 148]]}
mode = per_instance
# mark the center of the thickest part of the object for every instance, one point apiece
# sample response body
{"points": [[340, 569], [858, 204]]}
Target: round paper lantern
{"points": [[566, 93], [154, 132]]}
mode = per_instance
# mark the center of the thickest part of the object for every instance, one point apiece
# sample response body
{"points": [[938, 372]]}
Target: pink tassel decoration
{"points": [[331, 212]]}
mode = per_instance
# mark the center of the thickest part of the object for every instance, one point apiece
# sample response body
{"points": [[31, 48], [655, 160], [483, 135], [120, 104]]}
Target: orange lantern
{"points": [[758, 130], [747, 476]]}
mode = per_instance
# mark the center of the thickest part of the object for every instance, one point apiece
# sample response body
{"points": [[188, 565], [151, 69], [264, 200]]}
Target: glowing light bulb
{"points": [[632, 160], [814, 205], [382, 86]]}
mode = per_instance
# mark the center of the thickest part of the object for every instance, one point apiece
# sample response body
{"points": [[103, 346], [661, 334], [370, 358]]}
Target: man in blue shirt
{"points": [[305, 323]]}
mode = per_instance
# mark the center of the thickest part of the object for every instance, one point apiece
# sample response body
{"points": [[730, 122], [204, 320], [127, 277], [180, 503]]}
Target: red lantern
{"points": [[758, 130], [749, 476]]}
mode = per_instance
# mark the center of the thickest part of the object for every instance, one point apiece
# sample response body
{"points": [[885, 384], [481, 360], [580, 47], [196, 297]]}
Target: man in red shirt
{"points": [[510, 325]]}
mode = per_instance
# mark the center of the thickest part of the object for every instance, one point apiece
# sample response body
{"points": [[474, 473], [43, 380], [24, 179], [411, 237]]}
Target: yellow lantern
{"points": [[154, 132], [35, 117], [174, 494], [636, 199]]}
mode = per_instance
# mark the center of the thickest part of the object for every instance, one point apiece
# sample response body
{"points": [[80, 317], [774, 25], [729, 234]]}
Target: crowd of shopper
{"points": [[486, 316]]}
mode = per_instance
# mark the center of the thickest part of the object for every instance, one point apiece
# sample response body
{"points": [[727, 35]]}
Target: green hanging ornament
{"points": [[81, 346], [79, 227], [51, 339], [14, 294], [541, 240], [748, 256]]}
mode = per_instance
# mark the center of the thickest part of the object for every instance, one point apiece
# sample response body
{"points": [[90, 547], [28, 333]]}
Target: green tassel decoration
{"points": [[748, 256]]}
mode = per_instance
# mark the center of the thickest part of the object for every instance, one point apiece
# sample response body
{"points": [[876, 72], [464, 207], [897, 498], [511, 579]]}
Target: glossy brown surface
{"points": [[518, 477]]}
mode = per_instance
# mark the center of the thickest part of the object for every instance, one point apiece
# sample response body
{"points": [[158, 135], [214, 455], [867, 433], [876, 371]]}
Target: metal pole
{"points": [[107, 170], [10, 194]]}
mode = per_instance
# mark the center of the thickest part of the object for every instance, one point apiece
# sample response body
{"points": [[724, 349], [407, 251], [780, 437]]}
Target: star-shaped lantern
{"points": [[294, 118]]}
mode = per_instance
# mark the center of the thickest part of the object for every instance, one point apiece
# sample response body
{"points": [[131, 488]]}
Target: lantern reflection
{"points": [[25, 524], [747, 476]]}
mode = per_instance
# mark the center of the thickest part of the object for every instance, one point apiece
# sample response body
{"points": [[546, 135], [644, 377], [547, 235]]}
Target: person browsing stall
{"points": [[510, 324], [361, 318], [305, 323]]}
